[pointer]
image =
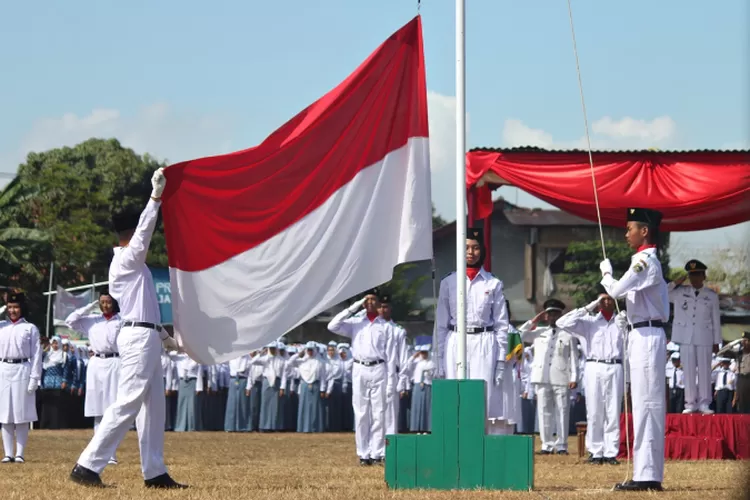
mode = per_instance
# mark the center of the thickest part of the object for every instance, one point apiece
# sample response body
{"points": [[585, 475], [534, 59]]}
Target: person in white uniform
{"points": [[554, 372], [647, 300], [486, 328], [374, 371], [140, 394], [103, 370], [601, 338], [697, 329], [401, 352], [20, 373]]}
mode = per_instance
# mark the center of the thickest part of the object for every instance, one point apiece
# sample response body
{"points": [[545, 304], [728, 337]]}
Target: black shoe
{"points": [[365, 461], [561, 452], [544, 452], [378, 461], [639, 486], [164, 481], [610, 461], [595, 461], [86, 477]]}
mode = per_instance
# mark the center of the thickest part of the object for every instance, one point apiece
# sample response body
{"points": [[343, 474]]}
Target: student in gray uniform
{"points": [[291, 389], [273, 370], [237, 415], [189, 396], [420, 370], [253, 391], [314, 385]]}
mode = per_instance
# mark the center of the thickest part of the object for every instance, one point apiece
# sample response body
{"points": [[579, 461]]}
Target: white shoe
{"points": [[112, 461], [688, 411], [706, 410], [6, 460], [19, 460]]}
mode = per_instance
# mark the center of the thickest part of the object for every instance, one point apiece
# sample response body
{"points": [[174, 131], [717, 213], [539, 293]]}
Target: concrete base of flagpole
{"points": [[458, 455]]}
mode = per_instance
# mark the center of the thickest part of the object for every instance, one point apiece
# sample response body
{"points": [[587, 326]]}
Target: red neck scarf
{"points": [[471, 272], [16, 321], [607, 314], [108, 316], [372, 316], [645, 247]]}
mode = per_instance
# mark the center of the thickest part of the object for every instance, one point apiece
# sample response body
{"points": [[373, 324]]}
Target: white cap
{"points": [[291, 349], [671, 346], [675, 355], [332, 343], [311, 345]]}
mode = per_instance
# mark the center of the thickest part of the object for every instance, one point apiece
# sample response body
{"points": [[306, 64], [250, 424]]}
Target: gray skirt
{"points": [[269, 406], [421, 404], [311, 413], [189, 417], [237, 415]]}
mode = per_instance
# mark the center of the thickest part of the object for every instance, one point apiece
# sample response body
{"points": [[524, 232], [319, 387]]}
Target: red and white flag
{"points": [[261, 240]]}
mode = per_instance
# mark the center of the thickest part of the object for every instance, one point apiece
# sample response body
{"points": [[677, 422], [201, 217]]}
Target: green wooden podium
{"points": [[458, 454]]}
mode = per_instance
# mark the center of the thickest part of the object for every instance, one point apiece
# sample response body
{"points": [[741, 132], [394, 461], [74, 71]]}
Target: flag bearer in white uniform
{"points": [[601, 337], [697, 329], [401, 352], [373, 373], [103, 369], [647, 299], [486, 328], [20, 373], [140, 394], [554, 372]]}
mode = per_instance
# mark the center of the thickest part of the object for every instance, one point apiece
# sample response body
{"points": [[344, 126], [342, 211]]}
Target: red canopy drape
{"points": [[695, 190]]}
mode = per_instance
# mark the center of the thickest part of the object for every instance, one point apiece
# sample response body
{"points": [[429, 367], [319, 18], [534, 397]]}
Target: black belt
{"points": [[605, 361], [656, 323], [240, 378], [473, 330], [14, 361], [143, 324], [106, 355], [369, 363], [189, 378]]}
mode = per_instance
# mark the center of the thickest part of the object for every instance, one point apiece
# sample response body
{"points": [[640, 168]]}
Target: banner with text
{"points": [[163, 293]]}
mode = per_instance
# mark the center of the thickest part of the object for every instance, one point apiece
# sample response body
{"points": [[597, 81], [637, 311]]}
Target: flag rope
{"points": [[601, 230]]}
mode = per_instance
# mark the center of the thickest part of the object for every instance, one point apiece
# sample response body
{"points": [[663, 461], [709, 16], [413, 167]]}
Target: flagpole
{"points": [[49, 294], [461, 187]]}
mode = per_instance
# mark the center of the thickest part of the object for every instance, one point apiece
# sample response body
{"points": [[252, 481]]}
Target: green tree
{"points": [[582, 266], [69, 194]]}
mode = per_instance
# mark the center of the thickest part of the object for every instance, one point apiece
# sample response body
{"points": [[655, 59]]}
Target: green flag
{"points": [[515, 346]]}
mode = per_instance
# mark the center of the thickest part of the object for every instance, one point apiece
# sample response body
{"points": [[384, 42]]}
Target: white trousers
{"points": [[647, 350], [553, 412], [604, 389], [697, 359], [140, 396], [392, 400], [369, 402]]}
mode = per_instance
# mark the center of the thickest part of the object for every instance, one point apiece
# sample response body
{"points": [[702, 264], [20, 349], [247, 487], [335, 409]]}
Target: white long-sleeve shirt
{"points": [[101, 332], [130, 281], [20, 340], [555, 354], [273, 367], [697, 318], [188, 368], [239, 367], [723, 379], [421, 371], [371, 340], [643, 287], [311, 370], [601, 339]]}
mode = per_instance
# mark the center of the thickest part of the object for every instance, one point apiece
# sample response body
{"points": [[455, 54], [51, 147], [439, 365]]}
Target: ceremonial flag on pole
{"points": [[261, 240]]}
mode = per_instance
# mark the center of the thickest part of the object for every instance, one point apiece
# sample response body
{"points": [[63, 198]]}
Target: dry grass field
{"points": [[221, 466]]}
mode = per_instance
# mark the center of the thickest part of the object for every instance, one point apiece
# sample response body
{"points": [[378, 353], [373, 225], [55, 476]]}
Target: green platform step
{"points": [[458, 454]]}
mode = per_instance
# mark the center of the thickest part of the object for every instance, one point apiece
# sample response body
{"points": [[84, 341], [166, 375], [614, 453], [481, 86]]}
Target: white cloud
{"points": [[156, 129], [605, 133]]}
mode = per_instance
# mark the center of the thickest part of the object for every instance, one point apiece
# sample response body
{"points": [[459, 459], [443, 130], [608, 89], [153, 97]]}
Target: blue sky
{"points": [[187, 79]]}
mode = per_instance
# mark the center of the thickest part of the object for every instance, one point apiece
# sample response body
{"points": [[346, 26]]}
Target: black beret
{"points": [[16, 298], [553, 304], [125, 221], [695, 266], [645, 216], [385, 299], [476, 234], [746, 335]]}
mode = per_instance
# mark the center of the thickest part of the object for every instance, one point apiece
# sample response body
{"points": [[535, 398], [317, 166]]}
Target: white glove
{"points": [[499, 369], [606, 267], [33, 385], [170, 344], [621, 320], [592, 307], [355, 307], [158, 183]]}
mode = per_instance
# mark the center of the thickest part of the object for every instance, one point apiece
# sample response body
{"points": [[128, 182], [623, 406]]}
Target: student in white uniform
{"points": [[140, 394], [373, 372], [334, 398], [20, 373], [554, 372], [647, 299], [421, 369], [401, 352], [347, 420], [316, 383], [601, 339], [486, 328], [697, 329], [103, 370], [676, 384], [724, 386]]}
